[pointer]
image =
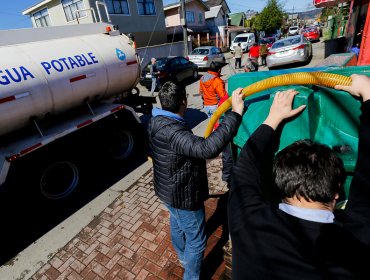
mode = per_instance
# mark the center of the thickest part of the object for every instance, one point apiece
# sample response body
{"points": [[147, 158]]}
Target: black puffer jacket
{"points": [[180, 176]]}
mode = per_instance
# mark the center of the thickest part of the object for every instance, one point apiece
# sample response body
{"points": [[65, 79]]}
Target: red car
{"points": [[312, 34]]}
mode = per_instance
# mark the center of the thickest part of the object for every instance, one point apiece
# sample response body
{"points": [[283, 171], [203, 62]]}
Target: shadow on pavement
{"points": [[215, 257]]}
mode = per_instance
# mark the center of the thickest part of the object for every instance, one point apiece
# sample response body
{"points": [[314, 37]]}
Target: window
{"points": [[42, 18], [71, 6], [117, 7], [183, 61], [146, 7], [174, 63], [200, 19], [190, 17]]}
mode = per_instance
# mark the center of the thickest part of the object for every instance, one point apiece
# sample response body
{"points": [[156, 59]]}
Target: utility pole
{"points": [[184, 27]]}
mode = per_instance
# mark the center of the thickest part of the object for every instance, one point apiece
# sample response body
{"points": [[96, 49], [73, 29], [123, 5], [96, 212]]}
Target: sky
{"points": [[11, 10]]}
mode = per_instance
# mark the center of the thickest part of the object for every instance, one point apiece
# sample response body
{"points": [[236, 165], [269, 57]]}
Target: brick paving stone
{"points": [[131, 239], [74, 276], [113, 272]]}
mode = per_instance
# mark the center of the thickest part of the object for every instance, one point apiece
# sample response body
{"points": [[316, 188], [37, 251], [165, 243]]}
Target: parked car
{"points": [[311, 33], [318, 27], [205, 56], [289, 50], [268, 41], [246, 41], [175, 68], [293, 30]]}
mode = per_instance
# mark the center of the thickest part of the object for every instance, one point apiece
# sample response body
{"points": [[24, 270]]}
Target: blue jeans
{"points": [[210, 109], [155, 84], [189, 239]]}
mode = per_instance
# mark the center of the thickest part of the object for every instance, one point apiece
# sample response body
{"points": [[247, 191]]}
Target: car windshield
{"points": [[309, 30], [286, 42], [200, 51], [267, 40], [240, 39], [293, 28], [161, 62]]}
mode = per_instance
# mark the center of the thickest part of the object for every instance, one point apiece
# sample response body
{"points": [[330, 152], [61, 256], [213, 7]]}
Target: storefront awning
{"points": [[328, 3]]}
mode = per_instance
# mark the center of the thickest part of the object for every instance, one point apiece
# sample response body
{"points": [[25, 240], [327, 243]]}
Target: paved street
{"points": [[124, 233]]}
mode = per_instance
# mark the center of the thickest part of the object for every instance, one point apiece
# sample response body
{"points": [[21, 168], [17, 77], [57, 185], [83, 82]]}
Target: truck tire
{"points": [[59, 180], [121, 144]]}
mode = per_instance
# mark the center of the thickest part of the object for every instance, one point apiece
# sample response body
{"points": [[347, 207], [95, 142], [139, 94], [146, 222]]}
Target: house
{"points": [[293, 19], [350, 31], [237, 25], [217, 20], [144, 19], [195, 20]]}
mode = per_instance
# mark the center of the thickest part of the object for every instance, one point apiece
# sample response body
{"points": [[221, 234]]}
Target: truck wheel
{"points": [[59, 180], [121, 144]]}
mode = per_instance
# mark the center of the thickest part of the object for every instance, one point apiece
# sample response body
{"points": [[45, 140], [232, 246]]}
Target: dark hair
{"points": [[171, 96], [308, 170], [216, 66], [239, 44]]}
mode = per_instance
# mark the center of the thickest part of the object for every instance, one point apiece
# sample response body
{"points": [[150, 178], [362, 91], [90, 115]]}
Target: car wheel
{"points": [[212, 65]]}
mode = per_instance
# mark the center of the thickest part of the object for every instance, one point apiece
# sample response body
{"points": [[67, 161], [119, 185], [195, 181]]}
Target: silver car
{"points": [[205, 56], [289, 50]]}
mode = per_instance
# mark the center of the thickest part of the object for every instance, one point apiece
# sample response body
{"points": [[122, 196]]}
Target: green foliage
{"points": [[271, 17]]}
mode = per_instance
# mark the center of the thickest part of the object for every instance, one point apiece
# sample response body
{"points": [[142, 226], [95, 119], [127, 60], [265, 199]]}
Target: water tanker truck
{"points": [[59, 99]]}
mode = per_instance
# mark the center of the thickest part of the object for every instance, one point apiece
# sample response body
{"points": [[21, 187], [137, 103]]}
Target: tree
{"points": [[271, 17]]}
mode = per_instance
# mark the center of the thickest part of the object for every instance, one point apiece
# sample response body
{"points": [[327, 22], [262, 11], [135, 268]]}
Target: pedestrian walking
{"points": [[263, 51], [238, 55], [154, 73]]}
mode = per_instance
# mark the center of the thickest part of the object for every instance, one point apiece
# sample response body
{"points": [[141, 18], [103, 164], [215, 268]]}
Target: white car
{"points": [[289, 50], [205, 56], [293, 30], [246, 41]]}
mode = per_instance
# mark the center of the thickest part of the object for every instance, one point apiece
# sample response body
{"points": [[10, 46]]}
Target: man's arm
{"points": [[220, 88], [245, 190], [184, 142], [359, 196]]}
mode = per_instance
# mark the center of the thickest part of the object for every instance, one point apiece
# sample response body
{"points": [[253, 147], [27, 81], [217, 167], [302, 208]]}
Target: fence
{"points": [[163, 50]]}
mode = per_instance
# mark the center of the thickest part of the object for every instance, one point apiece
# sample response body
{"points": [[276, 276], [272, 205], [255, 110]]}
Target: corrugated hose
{"points": [[303, 78]]}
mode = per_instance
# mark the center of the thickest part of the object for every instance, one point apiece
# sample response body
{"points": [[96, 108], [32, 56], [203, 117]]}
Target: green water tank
{"points": [[331, 116]]}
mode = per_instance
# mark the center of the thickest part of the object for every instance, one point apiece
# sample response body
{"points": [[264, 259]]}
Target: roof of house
{"points": [[213, 12], [214, 3], [236, 18], [177, 4], [35, 6]]}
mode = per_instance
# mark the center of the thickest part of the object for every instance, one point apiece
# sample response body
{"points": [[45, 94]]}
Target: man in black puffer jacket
{"points": [[180, 175]]}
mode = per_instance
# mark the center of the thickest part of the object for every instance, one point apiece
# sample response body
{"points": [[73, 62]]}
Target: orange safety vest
{"points": [[212, 88]]}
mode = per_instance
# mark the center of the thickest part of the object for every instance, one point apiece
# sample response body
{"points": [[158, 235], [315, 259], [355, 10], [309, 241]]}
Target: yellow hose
{"points": [[305, 78]]}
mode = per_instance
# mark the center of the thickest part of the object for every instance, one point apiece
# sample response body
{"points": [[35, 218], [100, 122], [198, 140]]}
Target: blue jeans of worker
{"points": [[210, 109], [155, 84], [189, 239]]}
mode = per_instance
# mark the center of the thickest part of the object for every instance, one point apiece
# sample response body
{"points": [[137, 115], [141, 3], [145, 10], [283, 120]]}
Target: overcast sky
{"points": [[11, 10]]}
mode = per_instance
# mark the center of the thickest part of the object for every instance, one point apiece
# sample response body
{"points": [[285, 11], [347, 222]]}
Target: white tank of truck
{"points": [[65, 83], [55, 75]]}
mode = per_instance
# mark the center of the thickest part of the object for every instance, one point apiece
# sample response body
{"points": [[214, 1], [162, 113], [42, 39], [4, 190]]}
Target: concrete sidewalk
{"points": [[123, 234]]}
